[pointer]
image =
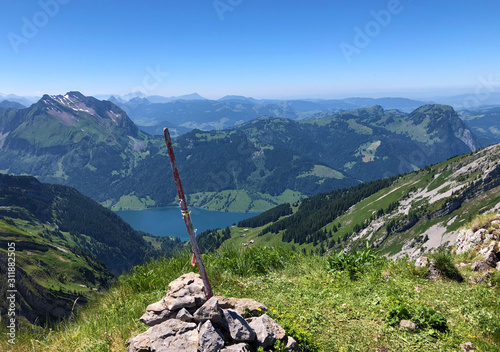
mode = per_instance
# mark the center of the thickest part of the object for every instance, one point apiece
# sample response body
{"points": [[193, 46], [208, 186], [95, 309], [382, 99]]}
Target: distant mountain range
{"points": [[234, 110], [11, 104], [184, 113], [93, 146], [24, 101]]}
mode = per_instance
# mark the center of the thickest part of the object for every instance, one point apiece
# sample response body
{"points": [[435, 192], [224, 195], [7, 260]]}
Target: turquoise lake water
{"points": [[168, 221]]}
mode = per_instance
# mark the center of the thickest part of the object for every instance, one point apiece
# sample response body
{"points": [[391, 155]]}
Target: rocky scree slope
{"points": [[408, 215]]}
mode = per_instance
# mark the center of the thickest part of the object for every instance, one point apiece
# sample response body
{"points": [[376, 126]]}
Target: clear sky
{"points": [[263, 49]]}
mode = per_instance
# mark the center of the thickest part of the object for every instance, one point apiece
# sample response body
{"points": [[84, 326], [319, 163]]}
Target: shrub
{"points": [[482, 221], [356, 262], [424, 318], [444, 262]]}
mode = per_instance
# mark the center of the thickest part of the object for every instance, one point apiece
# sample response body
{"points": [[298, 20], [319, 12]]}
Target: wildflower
{"points": [[259, 309]]}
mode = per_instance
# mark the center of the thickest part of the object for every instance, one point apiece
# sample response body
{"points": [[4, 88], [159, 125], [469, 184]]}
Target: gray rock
{"points": [[173, 335], [176, 303], [463, 242], [476, 280], [291, 344], [407, 324], [498, 265], [422, 262], [490, 261], [267, 331], [139, 343], [468, 346], [238, 328], [485, 250], [434, 272], [244, 306], [156, 313], [209, 311], [210, 339], [491, 236], [184, 315], [187, 291], [190, 285], [466, 240], [241, 347]]}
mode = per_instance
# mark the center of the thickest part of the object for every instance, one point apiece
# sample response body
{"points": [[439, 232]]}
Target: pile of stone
{"points": [[184, 320]]}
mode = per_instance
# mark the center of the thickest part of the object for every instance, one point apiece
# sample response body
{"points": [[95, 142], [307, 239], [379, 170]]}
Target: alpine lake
{"points": [[168, 221]]}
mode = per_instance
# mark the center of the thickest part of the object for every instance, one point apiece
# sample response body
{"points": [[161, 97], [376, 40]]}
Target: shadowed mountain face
{"points": [[93, 146], [11, 104], [90, 227], [485, 123], [66, 247]]}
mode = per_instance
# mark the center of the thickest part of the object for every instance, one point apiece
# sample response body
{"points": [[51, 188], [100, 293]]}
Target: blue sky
{"points": [[274, 49]]}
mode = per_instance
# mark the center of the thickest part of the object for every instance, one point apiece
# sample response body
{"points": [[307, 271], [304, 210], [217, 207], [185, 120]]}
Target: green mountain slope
{"points": [[93, 146], [11, 104], [66, 246], [410, 214], [484, 122], [371, 143]]}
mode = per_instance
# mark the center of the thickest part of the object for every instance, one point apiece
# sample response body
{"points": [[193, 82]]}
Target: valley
{"points": [[93, 145]]}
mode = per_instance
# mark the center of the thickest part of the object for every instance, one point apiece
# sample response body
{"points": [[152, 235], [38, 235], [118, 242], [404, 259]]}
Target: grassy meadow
{"points": [[328, 303]]}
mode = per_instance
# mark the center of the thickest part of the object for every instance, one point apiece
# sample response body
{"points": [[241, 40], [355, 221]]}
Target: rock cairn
{"points": [[184, 320]]}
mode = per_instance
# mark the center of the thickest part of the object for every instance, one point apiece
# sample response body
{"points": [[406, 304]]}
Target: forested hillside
{"points": [[66, 246], [92, 145], [406, 214]]}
